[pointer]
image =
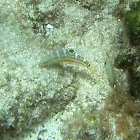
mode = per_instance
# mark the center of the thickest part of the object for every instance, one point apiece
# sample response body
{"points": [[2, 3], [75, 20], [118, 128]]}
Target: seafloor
{"points": [[64, 101]]}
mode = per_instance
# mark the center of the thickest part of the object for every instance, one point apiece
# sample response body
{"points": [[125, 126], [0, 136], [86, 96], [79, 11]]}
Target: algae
{"points": [[132, 23]]}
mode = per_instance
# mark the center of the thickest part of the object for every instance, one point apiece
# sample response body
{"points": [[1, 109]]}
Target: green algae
{"points": [[123, 61], [132, 23]]}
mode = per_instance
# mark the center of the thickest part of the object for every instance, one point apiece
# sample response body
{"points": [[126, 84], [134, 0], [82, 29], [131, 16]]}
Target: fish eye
{"points": [[71, 51], [88, 65]]}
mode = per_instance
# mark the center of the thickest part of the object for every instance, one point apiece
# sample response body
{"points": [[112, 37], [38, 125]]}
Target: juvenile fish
{"points": [[110, 73], [64, 55]]}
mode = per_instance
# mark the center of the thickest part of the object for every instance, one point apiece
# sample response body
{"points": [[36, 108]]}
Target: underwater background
{"points": [[67, 101]]}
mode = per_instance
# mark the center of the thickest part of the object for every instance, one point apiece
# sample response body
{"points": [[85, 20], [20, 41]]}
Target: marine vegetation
{"points": [[132, 23], [129, 57]]}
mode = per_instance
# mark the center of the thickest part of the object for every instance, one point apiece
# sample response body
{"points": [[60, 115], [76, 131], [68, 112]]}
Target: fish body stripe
{"points": [[65, 53], [76, 56], [51, 56], [64, 56], [58, 54], [84, 60]]}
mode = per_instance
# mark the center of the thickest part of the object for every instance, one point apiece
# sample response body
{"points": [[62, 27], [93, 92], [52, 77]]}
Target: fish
{"points": [[64, 55], [110, 73], [67, 55]]}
